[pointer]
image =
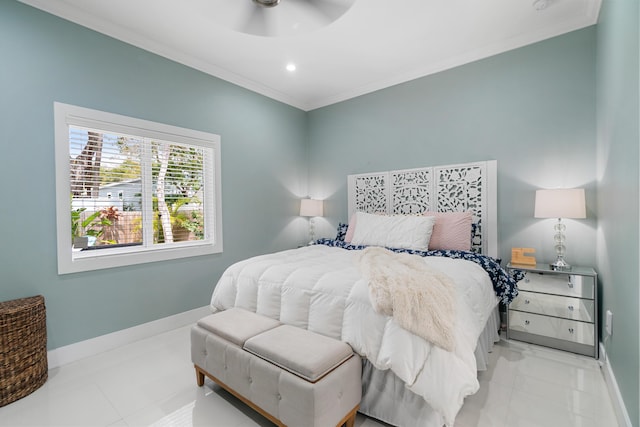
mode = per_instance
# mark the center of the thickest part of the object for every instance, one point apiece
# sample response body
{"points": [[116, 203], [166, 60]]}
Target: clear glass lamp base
{"points": [[312, 232], [559, 238], [560, 264]]}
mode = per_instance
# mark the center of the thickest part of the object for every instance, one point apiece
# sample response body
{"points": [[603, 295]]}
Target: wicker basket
{"points": [[23, 348]]}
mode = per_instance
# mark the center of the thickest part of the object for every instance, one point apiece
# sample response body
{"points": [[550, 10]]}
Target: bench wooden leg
{"points": [[350, 419], [199, 377]]}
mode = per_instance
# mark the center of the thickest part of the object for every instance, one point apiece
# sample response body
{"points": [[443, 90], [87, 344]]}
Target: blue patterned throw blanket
{"points": [[504, 284]]}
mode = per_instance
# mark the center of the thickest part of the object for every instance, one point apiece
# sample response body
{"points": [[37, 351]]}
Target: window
{"points": [[167, 181]]}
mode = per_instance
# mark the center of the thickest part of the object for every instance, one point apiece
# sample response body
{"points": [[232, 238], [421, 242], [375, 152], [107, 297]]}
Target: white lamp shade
{"points": [[311, 207], [560, 203]]}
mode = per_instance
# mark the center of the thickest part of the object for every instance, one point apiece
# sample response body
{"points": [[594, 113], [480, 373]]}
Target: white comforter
{"points": [[321, 289]]}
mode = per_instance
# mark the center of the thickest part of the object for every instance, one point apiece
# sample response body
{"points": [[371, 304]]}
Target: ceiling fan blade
{"points": [[326, 10], [256, 21], [286, 18]]}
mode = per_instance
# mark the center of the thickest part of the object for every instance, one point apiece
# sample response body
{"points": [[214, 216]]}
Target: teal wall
{"points": [[531, 109], [618, 102], [264, 172]]}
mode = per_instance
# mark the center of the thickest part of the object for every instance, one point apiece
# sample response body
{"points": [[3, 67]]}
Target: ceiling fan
{"points": [[267, 3], [276, 18]]}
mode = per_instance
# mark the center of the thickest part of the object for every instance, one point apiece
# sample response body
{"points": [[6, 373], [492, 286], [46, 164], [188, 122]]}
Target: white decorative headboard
{"points": [[450, 188]]}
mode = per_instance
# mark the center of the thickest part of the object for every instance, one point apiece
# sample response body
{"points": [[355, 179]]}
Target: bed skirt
{"points": [[385, 397]]}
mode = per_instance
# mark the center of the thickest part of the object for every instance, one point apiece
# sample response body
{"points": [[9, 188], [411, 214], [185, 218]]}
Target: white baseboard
{"points": [[616, 398], [73, 352]]}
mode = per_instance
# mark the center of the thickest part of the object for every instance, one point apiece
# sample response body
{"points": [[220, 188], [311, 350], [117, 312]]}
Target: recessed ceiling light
{"points": [[291, 67]]}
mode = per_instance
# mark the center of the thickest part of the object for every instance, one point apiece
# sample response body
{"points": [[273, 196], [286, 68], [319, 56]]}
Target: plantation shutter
{"points": [[145, 191]]}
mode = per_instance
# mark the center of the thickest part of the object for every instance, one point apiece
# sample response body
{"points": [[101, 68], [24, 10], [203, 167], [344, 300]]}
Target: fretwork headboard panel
{"points": [[449, 188]]}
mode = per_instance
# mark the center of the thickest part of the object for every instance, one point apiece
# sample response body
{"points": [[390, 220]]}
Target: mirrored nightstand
{"points": [[557, 309]]}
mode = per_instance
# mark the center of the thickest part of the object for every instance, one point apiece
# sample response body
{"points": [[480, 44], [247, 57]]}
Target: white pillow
{"points": [[395, 231]]}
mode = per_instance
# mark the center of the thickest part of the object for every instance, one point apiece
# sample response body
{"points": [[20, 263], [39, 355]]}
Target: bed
{"points": [[413, 375]]}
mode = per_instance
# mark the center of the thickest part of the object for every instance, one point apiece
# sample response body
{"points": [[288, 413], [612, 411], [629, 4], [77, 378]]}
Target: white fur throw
{"points": [[420, 299]]}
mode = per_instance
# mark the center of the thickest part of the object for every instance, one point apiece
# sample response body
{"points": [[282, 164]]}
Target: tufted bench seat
{"points": [[292, 376]]}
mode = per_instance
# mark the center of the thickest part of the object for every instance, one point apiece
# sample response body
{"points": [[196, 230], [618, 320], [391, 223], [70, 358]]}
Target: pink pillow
{"points": [[351, 229], [452, 231]]}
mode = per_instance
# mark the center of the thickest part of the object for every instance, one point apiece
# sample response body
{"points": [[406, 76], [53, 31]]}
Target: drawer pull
{"points": [[571, 330], [527, 280], [570, 308], [527, 301], [526, 322], [570, 285]]}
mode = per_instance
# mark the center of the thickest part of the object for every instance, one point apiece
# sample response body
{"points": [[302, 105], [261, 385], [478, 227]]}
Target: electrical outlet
{"points": [[608, 322]]}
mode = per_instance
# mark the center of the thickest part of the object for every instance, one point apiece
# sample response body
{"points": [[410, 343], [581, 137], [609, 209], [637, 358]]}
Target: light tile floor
{"points": [[152, 383]]}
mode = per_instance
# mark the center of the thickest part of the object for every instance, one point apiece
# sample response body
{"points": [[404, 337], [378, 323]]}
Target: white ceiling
{"points": [[375, 44]]}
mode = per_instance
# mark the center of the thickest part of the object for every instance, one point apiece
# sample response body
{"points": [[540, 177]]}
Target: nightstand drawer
{"points": [[552, 327], [555, 305], [566, 284]]}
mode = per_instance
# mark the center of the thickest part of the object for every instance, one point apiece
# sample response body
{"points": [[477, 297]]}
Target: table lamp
{"points": [[560, 203], [311, 208]]}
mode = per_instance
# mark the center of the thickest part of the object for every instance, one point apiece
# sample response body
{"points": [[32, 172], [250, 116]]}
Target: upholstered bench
{"points": [[292, 376]]}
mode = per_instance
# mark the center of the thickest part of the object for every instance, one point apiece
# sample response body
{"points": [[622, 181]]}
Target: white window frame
{"points": [[66, 115]]}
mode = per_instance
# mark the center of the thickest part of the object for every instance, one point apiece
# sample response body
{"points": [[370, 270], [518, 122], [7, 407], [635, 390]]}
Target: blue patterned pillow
{"points": [[342, 231]]}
